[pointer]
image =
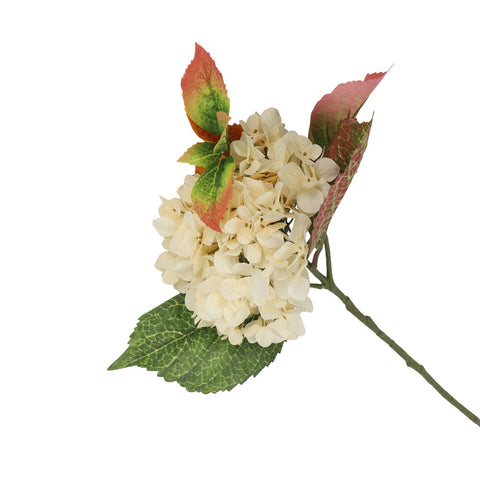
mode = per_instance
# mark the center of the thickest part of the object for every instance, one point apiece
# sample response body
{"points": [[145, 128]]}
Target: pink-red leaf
{"points": [[204, 93], [212, 192], [345, 140], [344, 102], [348, 147]]}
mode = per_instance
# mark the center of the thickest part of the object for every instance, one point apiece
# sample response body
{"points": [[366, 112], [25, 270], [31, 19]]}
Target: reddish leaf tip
{"points": [[343, 102]]}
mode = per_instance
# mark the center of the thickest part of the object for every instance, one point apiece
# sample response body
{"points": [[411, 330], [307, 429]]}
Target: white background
{"points": [[91, 124]]}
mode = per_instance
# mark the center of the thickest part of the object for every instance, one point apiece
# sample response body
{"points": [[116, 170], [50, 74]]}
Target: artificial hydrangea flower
{"points": [[308, 184], [234, 238], [250, 280]]}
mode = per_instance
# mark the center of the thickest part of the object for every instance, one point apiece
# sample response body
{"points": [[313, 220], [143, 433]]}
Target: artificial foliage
{"points": [[243, 238]]}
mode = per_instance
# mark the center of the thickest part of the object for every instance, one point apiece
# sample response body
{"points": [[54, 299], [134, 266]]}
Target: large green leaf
{"points": [[167, 341]]}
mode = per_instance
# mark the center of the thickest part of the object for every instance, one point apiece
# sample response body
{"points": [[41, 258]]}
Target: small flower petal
{"points": [[327, 169], [309, 200]]}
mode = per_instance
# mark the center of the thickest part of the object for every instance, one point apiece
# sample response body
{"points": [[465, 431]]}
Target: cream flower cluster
{"points": [[251, 280]]}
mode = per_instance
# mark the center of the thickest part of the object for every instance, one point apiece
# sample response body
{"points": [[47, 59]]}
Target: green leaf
{"points": [[167, 341], [212, 192], [202, 154], [224, 143]]}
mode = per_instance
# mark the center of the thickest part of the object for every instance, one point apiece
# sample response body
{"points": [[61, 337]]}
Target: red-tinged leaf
{"points": [[223, 120], [212, 192], [353, 138], [235, 132], [203, 134], [344, 102], [202, 154], [345, 140], [204, 92]]}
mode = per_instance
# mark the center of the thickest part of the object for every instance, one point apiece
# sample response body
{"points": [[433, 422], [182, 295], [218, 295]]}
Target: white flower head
{"points": [[250, 281]]}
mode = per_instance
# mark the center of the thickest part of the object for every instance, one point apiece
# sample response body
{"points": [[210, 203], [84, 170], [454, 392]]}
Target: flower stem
{"points": [[328, 259], [329, 284]]}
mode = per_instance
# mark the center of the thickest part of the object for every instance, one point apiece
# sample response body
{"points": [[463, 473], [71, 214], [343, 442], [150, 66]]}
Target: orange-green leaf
{"points": [[234, 132], [202, 154], [344, 102], [212, 192], [348, 147], [203, 134], [222, 119], [204, 93]]}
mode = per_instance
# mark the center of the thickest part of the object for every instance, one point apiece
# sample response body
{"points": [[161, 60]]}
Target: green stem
{"points": [[329, 284], [328, 259]]}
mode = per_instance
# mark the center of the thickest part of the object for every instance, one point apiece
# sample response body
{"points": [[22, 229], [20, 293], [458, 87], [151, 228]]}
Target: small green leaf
{"points": [[224, 143], [167, 341], [212, 192], [202, 154]]}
